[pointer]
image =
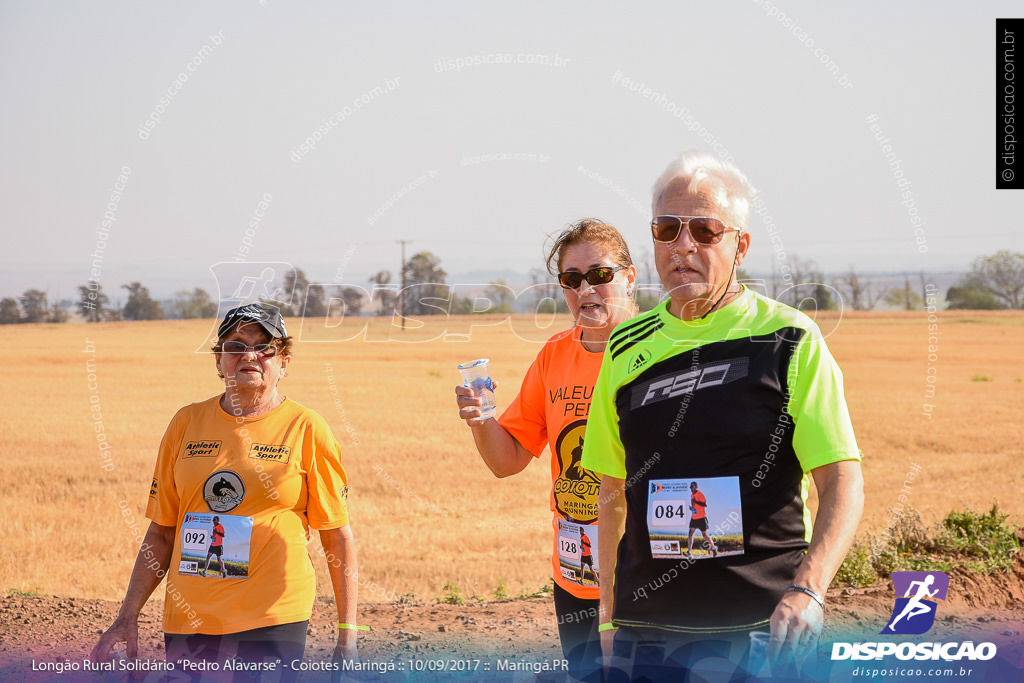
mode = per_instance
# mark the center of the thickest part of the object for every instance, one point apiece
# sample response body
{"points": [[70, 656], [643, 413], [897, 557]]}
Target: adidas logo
{"points": [[639, 360]]}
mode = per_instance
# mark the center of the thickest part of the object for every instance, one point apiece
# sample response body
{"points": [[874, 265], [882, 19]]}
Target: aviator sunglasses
{"points": [[595, 276], [703, 230]]}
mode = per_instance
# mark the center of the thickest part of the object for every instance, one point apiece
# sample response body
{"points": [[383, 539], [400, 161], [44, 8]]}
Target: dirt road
{"points": [[38, 635]]}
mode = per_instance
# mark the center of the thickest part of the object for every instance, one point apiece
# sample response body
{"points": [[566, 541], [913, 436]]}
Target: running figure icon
{"points": [[915, 606]]}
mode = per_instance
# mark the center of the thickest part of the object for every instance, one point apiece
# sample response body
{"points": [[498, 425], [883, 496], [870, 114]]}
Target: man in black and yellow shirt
{"points": [[740, 392]]}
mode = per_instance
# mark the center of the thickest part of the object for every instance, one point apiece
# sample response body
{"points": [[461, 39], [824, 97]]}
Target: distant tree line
{"points": [[94, 305], [426, 292], [31, 307], [993, 282]]}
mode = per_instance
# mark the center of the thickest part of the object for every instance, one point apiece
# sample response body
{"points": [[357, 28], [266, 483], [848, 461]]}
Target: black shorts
{"points": [[653, 654], [701, 524], [217, 550], [279, 644], [587, 559]]}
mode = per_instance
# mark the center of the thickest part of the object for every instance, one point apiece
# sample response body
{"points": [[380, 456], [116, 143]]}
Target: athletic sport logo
{"points": [[267, 452], [201, 449], [917, 594]]}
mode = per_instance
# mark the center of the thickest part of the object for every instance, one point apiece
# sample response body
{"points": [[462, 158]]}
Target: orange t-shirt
{"points": [[699, 504], [551, 410], [269, 479]]}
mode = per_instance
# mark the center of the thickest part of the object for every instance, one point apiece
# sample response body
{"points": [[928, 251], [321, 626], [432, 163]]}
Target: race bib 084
{"points": [[695, 518]]}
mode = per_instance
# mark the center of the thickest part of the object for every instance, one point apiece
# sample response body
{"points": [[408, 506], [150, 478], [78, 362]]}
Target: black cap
{"points": [[268, 317]]}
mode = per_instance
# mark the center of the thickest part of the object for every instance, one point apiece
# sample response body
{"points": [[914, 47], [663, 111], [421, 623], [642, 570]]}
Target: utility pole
{"points": [[401, 294]]}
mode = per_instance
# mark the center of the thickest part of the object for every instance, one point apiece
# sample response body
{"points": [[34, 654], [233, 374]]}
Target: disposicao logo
{"points": [[917, 594]]}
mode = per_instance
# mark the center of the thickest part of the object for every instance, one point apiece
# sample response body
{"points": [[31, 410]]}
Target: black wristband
{"points": [[807, 591]]}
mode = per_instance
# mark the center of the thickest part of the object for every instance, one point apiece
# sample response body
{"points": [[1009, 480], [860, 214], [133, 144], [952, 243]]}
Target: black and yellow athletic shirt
{"points": [[743, 402]]}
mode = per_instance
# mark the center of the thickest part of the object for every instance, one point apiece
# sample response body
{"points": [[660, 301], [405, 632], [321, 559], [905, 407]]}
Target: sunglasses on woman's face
{"points": [[596, 276], [261, 350], [703, 230]]}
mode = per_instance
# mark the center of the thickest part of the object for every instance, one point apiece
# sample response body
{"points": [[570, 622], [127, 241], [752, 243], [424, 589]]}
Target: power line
{"points": [[401, 294]]}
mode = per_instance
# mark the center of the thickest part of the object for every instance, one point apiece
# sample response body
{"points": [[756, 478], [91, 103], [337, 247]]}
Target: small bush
{"points": [[451, 596], [981, 542], [985, 540], [857, 569], [545, 590]]}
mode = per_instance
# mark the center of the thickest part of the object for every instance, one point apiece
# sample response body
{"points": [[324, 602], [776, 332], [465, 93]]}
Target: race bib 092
{"points": [[215, 546]]}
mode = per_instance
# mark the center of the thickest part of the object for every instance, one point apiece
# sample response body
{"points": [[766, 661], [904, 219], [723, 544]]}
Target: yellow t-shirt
{"points": [[266, 479]]}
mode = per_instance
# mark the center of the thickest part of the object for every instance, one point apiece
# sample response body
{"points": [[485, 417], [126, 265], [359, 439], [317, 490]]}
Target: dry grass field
{"points": [[425, 510]]}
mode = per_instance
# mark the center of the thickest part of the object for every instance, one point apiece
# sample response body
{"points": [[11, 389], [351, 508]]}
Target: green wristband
{"points": [[606, 627], [353, 627]]}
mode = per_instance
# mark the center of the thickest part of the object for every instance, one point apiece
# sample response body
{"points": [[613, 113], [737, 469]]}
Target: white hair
{"points": [[733, 195]]}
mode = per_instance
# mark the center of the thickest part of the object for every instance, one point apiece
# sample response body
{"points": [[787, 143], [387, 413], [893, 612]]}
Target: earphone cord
{"points": [[728, 282]]}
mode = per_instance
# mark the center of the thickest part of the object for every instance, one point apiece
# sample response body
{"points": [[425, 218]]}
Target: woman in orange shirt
{"points": [[598, 279], [264, 470]]}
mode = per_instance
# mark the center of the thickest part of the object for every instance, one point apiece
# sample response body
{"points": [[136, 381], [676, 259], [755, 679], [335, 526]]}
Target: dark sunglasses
{"points": [[596, 276], [703, 230]]}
